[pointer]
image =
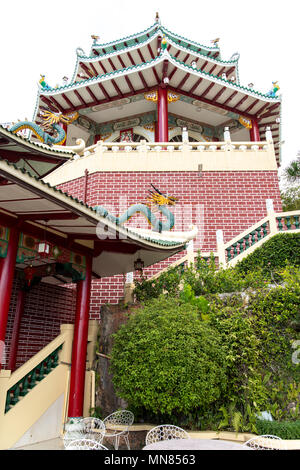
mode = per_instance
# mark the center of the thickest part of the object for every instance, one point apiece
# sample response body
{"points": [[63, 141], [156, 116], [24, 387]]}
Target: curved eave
{"points": [[146, 51], [68, 203], [184, 79]]}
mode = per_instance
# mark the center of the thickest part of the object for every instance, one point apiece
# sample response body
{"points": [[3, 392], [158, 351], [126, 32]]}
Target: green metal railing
{"points": [[288, 222], [30, 380], [247, 241]]}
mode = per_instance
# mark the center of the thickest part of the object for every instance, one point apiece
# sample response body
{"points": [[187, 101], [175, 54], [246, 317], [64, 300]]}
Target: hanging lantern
{"points": [[44, 249], [139, 265], [29, 273]]}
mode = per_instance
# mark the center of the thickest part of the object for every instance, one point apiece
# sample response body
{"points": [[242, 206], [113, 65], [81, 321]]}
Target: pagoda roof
{"points": [[142, 47], [42, 209], [37, 158], [200, 86]]}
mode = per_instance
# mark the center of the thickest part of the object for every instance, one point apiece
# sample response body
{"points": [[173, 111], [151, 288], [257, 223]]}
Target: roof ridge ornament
{"points": [[157, 18]]}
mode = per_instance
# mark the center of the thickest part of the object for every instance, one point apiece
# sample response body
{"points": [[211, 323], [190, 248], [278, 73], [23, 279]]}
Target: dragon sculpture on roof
{"points": [[50, 122], [156, 198]]}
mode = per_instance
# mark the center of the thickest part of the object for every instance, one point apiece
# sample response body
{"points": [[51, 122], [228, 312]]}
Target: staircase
{"points": [[34, 398]]}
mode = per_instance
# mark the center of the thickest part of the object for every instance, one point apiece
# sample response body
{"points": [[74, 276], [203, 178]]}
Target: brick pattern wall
{"points": [[46, 308], [231, 201]]}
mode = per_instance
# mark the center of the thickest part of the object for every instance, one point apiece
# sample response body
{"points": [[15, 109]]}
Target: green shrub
{"points": [[166, 360], [273, 255], [284, 429]]}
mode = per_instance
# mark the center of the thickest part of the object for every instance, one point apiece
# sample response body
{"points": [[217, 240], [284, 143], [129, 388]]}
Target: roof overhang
{"points": [[39, 209], [38, 159], [184, 79]]}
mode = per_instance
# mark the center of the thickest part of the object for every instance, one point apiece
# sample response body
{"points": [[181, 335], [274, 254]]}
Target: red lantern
{"points": [[29, 272], [44, 249]]}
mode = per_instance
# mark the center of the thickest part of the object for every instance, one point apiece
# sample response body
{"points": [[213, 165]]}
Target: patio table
{"points": [[195, 444]]}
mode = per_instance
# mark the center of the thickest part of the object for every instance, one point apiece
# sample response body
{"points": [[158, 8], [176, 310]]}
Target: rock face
{"points": [[112, 317]]}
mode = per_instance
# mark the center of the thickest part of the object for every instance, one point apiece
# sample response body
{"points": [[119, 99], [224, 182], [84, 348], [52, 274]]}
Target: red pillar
{"points": [[16, 330], [254, 131], [6, 281], [156, 132], [80, 344], [96, 138], [162, 115]]}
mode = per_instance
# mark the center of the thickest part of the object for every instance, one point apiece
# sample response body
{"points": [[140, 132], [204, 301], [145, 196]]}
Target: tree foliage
{"points": [[166, 360]]}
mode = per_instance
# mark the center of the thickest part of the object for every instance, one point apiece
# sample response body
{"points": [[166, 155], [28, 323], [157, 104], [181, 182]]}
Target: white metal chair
{"points": [[85, 444], [164, 432], [117, 426], [86, 428], [266, 442]]}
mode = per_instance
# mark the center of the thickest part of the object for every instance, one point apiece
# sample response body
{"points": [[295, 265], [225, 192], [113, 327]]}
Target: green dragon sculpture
{"points": [[159, 199], [51, 121]]}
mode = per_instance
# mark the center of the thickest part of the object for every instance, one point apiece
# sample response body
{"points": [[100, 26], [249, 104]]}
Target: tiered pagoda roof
{"points": [[116, 71]]}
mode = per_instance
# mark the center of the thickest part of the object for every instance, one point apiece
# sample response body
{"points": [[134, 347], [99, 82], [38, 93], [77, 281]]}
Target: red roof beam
{"points": [[80, 97], [271, 108], [72, 106], [49, 103], [196, 85], [213, 68], [91, 94], [208, 89], [94, 70], [241, 101], [117, 88], [104, 91], [209, 101], [219, 93], [251, 106], [183, 80], [86, 69]]}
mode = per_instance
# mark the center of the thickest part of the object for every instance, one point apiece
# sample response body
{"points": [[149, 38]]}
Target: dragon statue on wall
{"points": [[50, 121], [157, 198]]}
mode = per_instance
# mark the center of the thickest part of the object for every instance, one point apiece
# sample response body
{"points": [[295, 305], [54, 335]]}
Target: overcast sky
{"points": [[41, 38]]}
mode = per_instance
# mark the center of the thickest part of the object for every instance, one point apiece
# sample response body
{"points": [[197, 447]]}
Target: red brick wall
{"points": [[231, 201], [46, 308]]}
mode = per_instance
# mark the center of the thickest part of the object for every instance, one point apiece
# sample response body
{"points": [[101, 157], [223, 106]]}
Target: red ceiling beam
{"points": [[112, 64], [173, 72], [46, 216], [208, 101], [104, 91], [230, 98], [56, 103], [131, 59], [143, 80], [150, 50], [102, 66], [186, 58], [49, 103], [213, 68], [94, 70], [270, 109], [268, 115], [80, 98], [251, 106], [230, 71], [196, 85], [261, 109], [117, 88], [184, 80], [219, 93], [241, 101], [87, 70], [94, 98], [69, 102], [208, 89], [221, 71], [165, 68]]}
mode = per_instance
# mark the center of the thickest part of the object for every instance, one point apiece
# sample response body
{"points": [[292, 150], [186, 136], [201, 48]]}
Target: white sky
{"points": [[39, 37]]}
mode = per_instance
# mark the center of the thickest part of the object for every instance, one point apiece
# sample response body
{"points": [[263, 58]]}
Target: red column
{"points": [[162, 115], [6, 280], [16, 330], [254, 131], [96, 138], [80, 344], [156, 132]]}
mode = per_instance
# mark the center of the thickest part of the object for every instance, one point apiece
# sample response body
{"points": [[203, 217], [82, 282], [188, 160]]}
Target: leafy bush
{"points": [[284, 429], [166, 360], [273, 255]]}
